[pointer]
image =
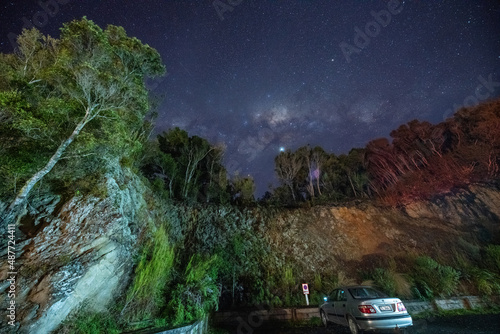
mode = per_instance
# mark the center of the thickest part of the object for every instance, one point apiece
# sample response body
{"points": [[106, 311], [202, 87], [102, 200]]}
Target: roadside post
{"points": [[305, 289]]}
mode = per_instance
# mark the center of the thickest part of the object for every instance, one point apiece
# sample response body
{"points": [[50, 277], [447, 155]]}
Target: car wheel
{"points": [[353, 327], [324, 320]]}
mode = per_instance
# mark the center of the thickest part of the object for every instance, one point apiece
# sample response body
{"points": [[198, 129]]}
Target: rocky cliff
{"points": [[329, 239], [79, 250], [75, 251]]}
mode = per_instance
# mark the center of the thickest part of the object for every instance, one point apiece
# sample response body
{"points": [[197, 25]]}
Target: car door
{"points": [[339, 306], [328, 307]]}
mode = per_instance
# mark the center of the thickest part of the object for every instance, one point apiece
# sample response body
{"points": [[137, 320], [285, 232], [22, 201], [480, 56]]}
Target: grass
{"points": [[90, 323], [145, 295]]}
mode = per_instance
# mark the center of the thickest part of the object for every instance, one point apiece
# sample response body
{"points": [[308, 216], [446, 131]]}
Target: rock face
{"points": [[79, 251], [75, 252], [343, 238]]}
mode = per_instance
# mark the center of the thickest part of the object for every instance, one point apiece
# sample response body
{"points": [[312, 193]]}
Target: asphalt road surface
{"points": [[474, 324]]}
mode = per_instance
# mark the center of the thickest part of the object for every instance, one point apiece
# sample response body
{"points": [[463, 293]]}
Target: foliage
{"points": [[262, 294], [289, 284], [433, 279], [487, 282], [230, 233], [91, 323], [492, 258], [424, 160], [78, 98], [242, 190], [312, 174], [145, 295], [197, 293], [191, 170], [385, 281], [392, 282]]}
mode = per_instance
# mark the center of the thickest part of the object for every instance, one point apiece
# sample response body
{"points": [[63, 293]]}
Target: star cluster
{"points": [[266, 76]]}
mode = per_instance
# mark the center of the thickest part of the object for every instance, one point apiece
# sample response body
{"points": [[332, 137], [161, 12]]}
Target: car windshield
{"points": [[366, 293]]}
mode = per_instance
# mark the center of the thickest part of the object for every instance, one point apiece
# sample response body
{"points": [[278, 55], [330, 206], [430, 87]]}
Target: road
{"points": [[476, 324]]}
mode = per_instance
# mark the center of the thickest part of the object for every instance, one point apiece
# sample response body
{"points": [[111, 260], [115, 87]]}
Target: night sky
{"points": [[264, 76]]}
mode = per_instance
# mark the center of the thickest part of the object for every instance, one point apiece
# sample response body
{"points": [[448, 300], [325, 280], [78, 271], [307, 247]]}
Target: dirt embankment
{"points": [[344, 238]]}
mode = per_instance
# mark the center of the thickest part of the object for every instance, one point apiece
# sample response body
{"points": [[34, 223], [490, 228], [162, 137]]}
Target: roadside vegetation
{"points": [[70, 108]]}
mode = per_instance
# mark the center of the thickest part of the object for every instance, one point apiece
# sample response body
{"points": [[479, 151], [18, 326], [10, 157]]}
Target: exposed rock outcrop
{"points": [[79, 251], [75, 252], [339, 238]]}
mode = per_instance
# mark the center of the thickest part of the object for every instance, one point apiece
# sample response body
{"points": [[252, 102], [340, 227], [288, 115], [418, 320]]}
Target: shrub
{"points": [[384, 279], [90, 323], [432, 278], [487, 283], [492, 258], [288, 283], [197, 293], [261, 292], [391, 282]]}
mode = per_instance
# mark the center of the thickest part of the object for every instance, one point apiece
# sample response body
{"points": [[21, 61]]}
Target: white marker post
{"points": [[305, 289]]}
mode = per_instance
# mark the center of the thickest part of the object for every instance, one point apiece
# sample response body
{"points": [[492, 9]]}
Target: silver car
{"points": [[364, 308]]}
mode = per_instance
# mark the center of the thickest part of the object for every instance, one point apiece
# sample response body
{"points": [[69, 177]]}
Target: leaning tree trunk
{"points": [[293, 193], [352, 185], [19, 203]]}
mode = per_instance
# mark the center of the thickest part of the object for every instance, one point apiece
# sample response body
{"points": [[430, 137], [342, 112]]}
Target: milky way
{"points": [[261, 76]]}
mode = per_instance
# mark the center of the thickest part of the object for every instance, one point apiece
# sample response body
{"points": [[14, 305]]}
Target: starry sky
{"points": [[269, 75]]}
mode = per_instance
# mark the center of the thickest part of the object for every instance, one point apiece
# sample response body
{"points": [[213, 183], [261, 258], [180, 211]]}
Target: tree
{"points": [[352, 167], [216, 186], [243, 189], [197, 170], [88, 85], [313, 160], [287, 166]]}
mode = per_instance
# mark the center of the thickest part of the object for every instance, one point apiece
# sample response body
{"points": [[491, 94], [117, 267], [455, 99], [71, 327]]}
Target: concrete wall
{"points": [[454, 303], [256, 316]]}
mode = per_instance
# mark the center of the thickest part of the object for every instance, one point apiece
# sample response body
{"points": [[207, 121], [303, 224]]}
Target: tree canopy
{"points": [[82, 95], [311, 173], [188, 168], [422, 160]]}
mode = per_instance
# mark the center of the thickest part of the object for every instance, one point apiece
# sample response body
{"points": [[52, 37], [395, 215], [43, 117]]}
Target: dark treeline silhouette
{"points": [[189, 168], [313, 174], [421, 161]]}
